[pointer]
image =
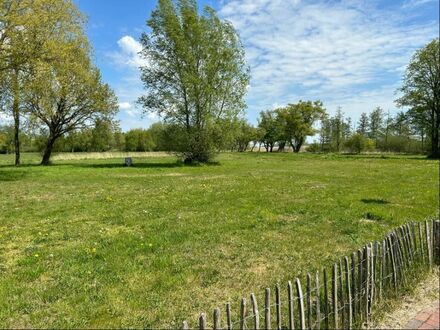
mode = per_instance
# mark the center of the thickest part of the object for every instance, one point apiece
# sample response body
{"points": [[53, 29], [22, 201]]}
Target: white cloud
{"points": [[336, 51], [125, 106], [128, 54], [416, 3]]}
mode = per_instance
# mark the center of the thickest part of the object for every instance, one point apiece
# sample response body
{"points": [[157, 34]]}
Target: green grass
{"points": [[89, 243]]}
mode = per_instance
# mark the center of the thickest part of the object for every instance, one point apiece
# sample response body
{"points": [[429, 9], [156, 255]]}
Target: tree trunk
{"points": [[16, 115], [435, 127], [48, 150]]}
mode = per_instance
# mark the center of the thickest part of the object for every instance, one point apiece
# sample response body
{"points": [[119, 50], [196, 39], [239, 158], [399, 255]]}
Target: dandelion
{"points": [[94, 250], [150, 245], [36, 255]]}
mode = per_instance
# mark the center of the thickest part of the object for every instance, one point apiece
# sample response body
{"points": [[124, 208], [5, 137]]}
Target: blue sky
{"points": [[348, 53]]}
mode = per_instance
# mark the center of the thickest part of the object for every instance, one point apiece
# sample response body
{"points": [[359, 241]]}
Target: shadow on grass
{"points": [[8, 176], [374, 201], [142, 165]]}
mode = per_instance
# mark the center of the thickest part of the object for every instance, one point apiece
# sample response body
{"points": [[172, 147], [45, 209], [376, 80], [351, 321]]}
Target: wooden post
{"points": [[217, 325], [335, 296], [318, 302], [422, 250], [428, 243], [382, 268], [326, 302], [367, 286], [393, 262], [360, 286], [348, 288], [302, 319], [353, 284], [278, 306], [341, 292], [436, 234], [202, 321], [309, 301], [255, 312], [267, 324], [243, 314], [228, 316], [410, 242], [290, 303], [372, 278]]}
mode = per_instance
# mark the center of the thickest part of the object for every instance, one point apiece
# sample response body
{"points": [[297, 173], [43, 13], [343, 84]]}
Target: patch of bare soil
{"points": [[424, 297]]}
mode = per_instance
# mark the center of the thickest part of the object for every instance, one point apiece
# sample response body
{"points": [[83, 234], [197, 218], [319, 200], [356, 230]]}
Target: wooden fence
{"points": [[344, 296]]}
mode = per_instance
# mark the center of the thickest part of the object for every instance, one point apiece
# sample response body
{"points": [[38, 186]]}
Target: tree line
{"points": [[195, 80]]}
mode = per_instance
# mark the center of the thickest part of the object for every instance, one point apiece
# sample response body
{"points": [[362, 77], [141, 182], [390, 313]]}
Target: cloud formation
{"points": [[128, 53], [349, 53]]}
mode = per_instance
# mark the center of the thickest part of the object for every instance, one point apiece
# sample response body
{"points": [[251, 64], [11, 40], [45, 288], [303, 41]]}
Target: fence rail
{"points": [[347, 298]]}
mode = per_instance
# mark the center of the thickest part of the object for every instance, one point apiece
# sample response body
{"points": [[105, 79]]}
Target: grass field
{"points": [[89, 243]]}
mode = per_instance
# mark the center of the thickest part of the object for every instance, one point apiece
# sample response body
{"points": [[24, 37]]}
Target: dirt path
{"points": [[424, 300]]}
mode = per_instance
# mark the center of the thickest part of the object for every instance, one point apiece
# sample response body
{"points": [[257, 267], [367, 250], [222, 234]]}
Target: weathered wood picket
{"points": [[348, 298]]}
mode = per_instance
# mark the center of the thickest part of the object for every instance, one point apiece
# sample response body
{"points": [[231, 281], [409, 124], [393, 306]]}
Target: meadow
{"points": [[90, 243]]}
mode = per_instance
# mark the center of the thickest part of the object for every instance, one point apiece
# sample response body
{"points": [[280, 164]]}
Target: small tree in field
{"points": [[196, 76]]}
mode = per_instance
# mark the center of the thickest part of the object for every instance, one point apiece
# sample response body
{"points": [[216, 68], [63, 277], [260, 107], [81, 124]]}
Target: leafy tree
{"points": [[363, 124], [66, 93], [325, 134], [337, 124], [356, 143], [196, 74], [421, 91], [139, 140], [27, 28], [103, 135], [246, 134], [376, 124], [297, 120], [157, 133], [270, 129]]}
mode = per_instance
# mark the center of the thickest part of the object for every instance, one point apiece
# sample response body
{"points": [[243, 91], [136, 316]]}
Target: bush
{"points": [[313, 147]]}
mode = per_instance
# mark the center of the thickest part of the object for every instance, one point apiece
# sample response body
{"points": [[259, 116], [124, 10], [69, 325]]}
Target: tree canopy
{"points": [[196, 74], [421, 91]]}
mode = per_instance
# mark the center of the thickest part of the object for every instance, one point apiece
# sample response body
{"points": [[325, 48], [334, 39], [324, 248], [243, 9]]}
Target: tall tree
{"points": [[363, 124], [26, 31], [421, 91], [196, 74], [376, 124], [66, 93]]}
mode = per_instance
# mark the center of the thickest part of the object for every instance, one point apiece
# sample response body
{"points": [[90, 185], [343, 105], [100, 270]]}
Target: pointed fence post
{"points": [[348, 288], [302, 319], [428, 243], [335, 296], [255, 312], [202, 321], [290, 303], [228, 317], [243, 314], [216, 315], [326, 302], [267, 324], [309, 301], [318, 302], [278, 306]]}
